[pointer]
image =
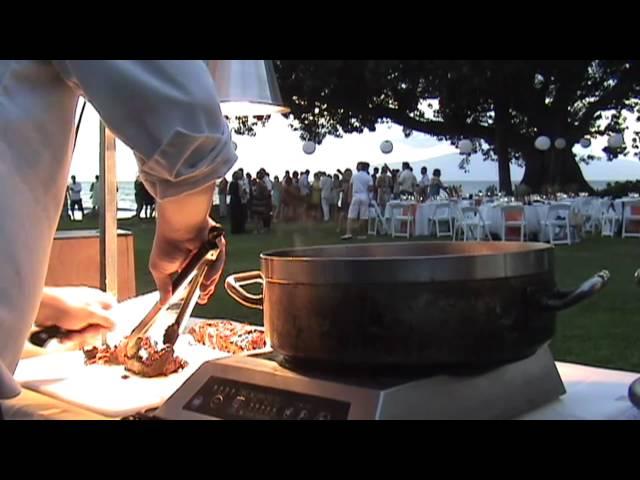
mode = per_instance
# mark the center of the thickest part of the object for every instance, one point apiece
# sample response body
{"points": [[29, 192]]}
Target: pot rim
{"points": [[491, 260]]}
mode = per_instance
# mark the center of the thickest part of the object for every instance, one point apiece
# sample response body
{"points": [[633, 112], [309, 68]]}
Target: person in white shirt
{"points": [[305, 187], [423, 184], [326, 184], [384, 183], [75, 195], [96, 190], [266, 179], [361, 185], [407, 181], [166, 111]]}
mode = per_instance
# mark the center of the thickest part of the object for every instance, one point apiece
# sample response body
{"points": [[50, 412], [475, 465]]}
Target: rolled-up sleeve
{"points": [[166, 111]]}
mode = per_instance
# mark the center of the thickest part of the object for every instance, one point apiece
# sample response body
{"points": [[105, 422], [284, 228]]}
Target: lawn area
{"points": [[604, 331]]}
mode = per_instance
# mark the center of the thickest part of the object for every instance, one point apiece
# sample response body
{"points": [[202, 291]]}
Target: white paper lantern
{"points": [[615, 141], [543, 143], [585, 142], [465, 146], [538, 80], [560, 143], [309, 147], [386, 147]]}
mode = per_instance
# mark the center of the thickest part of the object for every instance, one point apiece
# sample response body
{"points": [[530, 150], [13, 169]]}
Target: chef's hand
{"points": [[84, 311], [182, 226]]}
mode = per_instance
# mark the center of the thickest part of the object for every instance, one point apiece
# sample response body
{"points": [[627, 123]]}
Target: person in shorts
{"points": [[361, 187]]}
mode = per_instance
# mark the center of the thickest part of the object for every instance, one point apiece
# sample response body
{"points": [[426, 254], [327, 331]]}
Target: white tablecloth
{"points": [[592, 394], [395, 204], [534, 216]]}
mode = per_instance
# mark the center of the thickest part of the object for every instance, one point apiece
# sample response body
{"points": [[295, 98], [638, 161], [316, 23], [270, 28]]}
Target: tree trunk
{"points": [[553, 171], [502, 122]]}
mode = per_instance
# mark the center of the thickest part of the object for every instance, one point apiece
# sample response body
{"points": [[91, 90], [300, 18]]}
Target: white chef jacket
{"points": [[167, 111]]}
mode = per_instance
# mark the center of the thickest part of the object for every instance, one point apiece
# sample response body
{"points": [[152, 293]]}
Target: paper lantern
{"points": [[615, 141], [560, 143], [465, 146], [386, 147], [543, 143], [309, 147], [585, 142]]}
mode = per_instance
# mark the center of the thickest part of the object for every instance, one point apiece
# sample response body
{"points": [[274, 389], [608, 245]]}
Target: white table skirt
{"points": [[592, 394]]}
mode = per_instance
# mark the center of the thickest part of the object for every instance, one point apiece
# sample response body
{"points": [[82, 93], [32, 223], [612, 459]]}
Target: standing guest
{"points": [[325, 195], [249, 188], [396, 185], [384, 183], [261, 203], [244, 194], [423, 184], [149, 202], [290, 199], [267, 180], [75, 195], [344, 198], [436, 185], [305, 192], [295, 206], [362, 186], [407, 181], [315, 197], [275, 198], [138, 187], [374, 177], [236, 207], [95, 194], [223, 185], [305, 186], [335, 195]]}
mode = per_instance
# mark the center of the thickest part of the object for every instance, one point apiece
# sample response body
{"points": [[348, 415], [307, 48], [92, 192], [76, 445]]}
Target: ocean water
{"points": [[126, 198]]}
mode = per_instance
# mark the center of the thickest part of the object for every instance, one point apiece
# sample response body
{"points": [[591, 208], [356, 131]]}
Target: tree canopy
{"points": [[502, 105]]}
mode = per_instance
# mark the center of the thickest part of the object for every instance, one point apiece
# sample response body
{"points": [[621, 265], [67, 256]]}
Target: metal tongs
{"points": [[184, 288]]}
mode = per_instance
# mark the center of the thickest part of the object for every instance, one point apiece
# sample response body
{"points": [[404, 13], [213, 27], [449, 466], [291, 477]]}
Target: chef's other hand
{"points": [[182, 226], [83, 311]]}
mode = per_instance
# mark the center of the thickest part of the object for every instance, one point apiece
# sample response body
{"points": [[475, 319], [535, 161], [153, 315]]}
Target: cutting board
{"points": [[103, 389]]}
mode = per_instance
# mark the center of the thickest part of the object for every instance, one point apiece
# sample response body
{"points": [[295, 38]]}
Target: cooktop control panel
{"points": [[233, 400]]}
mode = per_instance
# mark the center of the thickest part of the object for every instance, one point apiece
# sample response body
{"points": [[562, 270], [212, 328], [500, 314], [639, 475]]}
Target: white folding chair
{"points": [[631, 225], [608, 220], [401, 214], [557, 224], [372, 224], [442, 213], [513, 218], [592, 216], [470, 223]]}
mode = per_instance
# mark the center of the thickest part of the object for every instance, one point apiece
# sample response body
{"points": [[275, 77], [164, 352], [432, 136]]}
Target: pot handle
{"points": [[234, 283], [561, 300]]}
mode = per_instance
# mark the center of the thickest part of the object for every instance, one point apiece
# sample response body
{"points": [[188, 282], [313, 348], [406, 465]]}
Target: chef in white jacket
{"points": [[166, 111]]}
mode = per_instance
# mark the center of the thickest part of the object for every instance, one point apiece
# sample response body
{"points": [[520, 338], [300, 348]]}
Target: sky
{"points": [[278, 148]]}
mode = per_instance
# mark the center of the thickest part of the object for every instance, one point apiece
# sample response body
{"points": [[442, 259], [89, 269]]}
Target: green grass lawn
{"points": [[603, 331]]}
